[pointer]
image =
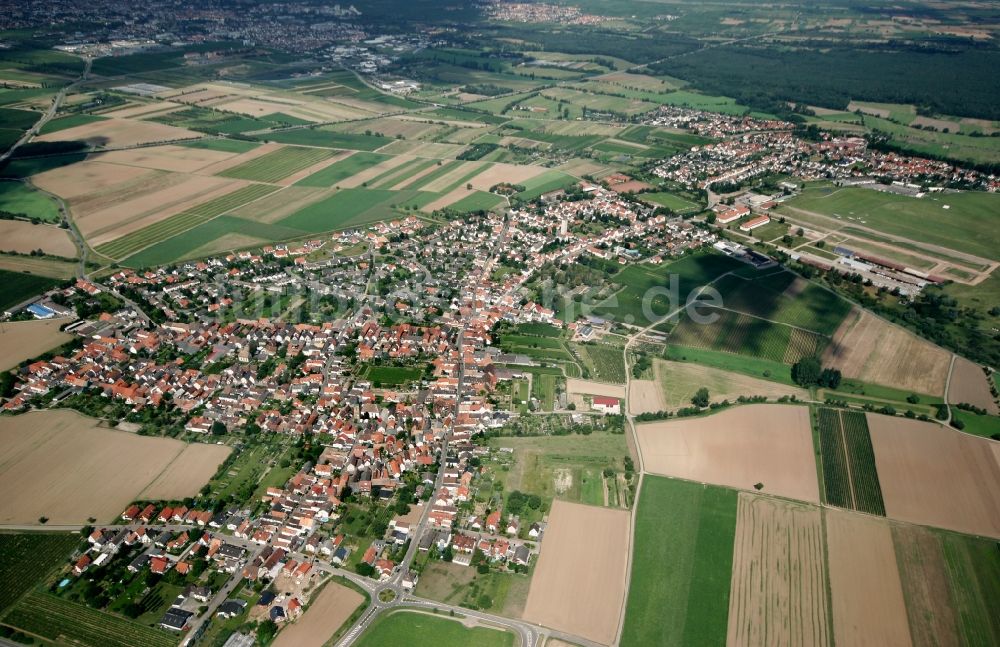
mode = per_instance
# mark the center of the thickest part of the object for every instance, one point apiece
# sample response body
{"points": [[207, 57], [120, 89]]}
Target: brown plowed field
{"points": [[935, 476], [969, 384], [121, 133], [21, 340], [579, 581], [181, 159], [24, 237], [870, 349], [324, 616], [868, 606], [778, 594], [739, 447], [60, 465]]}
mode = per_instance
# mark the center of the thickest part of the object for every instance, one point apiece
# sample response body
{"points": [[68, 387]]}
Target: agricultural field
{"points": [[937, 477], [742, 364], [677, 382], [23, 237], [969, 384], [342, 169], [120, 133], [954, 221], [850, 477], [605, 361], [424, 630], [870, 349], [24, 200], [26, 558], [323, 617], [582, 601], [71, 449], [20, 286], [680, 586], [741, 447], [45, 615], [277, 165], [779, 591], [24, 340], [743, 334]]}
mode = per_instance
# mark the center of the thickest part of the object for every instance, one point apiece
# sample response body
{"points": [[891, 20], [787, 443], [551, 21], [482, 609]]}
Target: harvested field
{"points": [[325, 614], [448, 199], [924, 578], [24, 237], [511, 173], [740, 447], [873, 350], [645, 396], [970, 384], [868, 606], [582, 601], [141, 109], [937, 477], [679, 381], [40, 266], [89, 471], [778, 594], [589, 387], [182, 159], [21, 340], [121, 133], [88, 177]]}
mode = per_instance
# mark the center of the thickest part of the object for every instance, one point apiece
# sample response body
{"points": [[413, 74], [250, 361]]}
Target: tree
{"points": [[266, 631], [218, 428], [700, 398], [806, 371]]}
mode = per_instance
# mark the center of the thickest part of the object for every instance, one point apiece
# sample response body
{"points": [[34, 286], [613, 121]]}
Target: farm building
{"points": [[607, 405], [759, 221]]}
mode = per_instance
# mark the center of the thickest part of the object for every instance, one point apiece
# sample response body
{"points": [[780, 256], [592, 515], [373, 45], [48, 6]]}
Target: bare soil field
{"points": [[868, 606], [24, 237], [778, 594], [680, 381], [870, 349], [88, 177], [143, 109], [571, 590], [645, 396], [121, 132], [197, 462], [325, 614], [739, 447], [21, 340], [969, 384], [181, 159], [925, 583], [589, 387], [505, 173], [60, 465], [448, 199], [935, 476], [422, 149]]}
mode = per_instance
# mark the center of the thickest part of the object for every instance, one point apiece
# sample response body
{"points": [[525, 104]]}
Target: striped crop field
{"points": [[279, 164]]}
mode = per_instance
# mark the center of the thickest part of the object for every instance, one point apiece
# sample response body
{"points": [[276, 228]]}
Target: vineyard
{"points": [[47, 616], [608, 362], [850, 478], [783, 298], [26, 558], [742, 334]]}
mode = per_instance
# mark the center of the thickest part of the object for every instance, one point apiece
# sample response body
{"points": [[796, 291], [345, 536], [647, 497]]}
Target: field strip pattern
{"points": [[279, 164], [850, 477], [779, 587], [50, 617], [137, 240]]}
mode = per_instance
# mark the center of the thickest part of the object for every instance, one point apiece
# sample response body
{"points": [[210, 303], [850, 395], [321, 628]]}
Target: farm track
{"points": [[847, 459]]}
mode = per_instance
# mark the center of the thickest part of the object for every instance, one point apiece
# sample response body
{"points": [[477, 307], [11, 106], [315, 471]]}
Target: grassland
{"points": [[26, 558], [752, 366], [25, 200], [850, 479], [21, 287], [670, 201], [328, 139], [348, 208], [607, 362], [679, 591], [423, 630], [985, 426], [970, 224], [391, 375], [278, 164], [973, 567], [55, 619]]}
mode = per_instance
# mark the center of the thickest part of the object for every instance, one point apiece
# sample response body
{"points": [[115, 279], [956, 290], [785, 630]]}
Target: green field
{"points": [[25, 200], [971, 223], [18, 119], [423, 630], [607, 362], [348, 208], [679, 592], [329, 176], [986, 426], [544, 183], [26, 558], [850, 478], [327, 139], [223, 145], [752, 366], [745, 335], [21, 286], [70, 121], [973, 566], [392, 375], [22, 168], [477, 201], [164, 229], [59, 620], [670, 201], [278, 164]]}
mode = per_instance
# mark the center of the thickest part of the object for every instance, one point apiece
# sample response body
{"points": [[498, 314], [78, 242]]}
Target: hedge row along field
{"points": [[131, 243], [47, 616], [26, 558], [850, 478]]}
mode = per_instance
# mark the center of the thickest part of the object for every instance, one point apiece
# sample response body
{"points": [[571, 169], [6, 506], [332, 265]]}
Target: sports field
{"points": [[680, 585]]}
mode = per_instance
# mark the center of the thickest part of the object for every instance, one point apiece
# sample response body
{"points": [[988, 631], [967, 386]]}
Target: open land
{"points": [[24, 238], [418, 629], [679, 381], [582, 601], [870, 349], [588, 387], [70, 449], [969, 384], [740, 447], [121, 132], [22, 340], [325, 614], [937, 477]]}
